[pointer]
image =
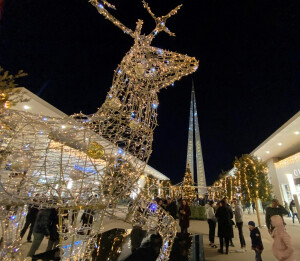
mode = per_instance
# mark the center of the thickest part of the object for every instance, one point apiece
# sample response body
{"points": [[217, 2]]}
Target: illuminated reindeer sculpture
{"points": [[128, 116], [88, 163]]}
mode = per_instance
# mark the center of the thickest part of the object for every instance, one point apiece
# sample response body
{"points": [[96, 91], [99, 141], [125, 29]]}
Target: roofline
{"points": [[43, 102], [148, 169], [297, 115]]}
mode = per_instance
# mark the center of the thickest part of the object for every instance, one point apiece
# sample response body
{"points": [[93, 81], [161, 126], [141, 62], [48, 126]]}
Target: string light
{"points": [[188, 189], [288, 161]]}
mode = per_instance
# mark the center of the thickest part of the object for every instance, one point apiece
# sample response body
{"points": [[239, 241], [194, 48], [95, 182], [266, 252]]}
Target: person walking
{"points": [[294, 210], [30, 220], [256, 241], [275, 209], [41, 229], [211, 220], [282, 246], [287, 207], [248, 207], [87, 219], [184, 216], [232, 222], [253, 207], [239, 224], [54, 236], [224, 216]]}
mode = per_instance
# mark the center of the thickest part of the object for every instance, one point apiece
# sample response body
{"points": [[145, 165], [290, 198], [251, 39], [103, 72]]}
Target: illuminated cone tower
{"points": [[194, 134]]}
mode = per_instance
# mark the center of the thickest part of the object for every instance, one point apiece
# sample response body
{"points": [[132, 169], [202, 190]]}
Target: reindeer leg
{"points": [[152, 217]]}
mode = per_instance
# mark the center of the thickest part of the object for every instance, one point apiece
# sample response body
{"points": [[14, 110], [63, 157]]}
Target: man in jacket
{"points": [[42, 228], [294, 210], [275, 209], [171, 208], [30, 220], [239, 223]]}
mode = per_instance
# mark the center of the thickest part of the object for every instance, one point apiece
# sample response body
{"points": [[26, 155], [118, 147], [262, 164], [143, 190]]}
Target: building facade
{"points": [[281, 152]]}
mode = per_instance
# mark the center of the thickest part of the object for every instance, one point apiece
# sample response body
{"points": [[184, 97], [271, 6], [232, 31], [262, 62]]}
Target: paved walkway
{"points": [[211, 254]]}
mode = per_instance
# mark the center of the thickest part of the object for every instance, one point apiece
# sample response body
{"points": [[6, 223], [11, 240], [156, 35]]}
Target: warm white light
{"points": [[291, 183], [63, 126], [26, 107], [70, 183], [288, 161], [297, 132], [268, 152], [279, 144]]}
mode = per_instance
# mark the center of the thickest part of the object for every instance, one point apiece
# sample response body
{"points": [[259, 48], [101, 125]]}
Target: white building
{"points": [[281, 152], [38, 106]]}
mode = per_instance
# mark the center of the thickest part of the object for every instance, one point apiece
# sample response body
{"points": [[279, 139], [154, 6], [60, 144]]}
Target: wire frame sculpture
{"points": [[85, 163]]}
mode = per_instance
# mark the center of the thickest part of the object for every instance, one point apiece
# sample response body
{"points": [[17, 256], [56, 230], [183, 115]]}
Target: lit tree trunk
{"points": [[257, 212]]}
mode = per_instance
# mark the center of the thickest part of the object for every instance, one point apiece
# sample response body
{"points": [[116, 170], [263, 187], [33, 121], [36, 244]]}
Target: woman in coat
{"points": [[282, 248], [184, 216], [224, 216]]}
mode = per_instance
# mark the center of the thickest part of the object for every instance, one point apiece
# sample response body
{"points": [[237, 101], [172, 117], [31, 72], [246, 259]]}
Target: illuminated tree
{"points": [[241, 166], [8, 94], [252, 175], [189, 192]]}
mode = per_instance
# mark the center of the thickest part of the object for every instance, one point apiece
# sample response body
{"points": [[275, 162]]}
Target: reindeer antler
{"points": [[108, 4], [110, 17], [160, 21]]}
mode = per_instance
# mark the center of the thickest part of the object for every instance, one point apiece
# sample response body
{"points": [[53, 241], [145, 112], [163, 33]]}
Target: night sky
{"points": [[247, 84]]}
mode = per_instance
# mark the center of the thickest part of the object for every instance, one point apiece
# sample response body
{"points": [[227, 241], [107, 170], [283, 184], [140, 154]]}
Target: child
{"points": [[256, 242], [282, 246]]}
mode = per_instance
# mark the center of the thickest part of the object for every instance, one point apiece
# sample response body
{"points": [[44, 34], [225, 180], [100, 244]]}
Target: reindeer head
{"points": [[144, 64]]}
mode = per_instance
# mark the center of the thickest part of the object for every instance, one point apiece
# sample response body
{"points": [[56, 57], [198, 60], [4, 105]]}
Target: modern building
{"points": [[36, 105], [281, 152]]}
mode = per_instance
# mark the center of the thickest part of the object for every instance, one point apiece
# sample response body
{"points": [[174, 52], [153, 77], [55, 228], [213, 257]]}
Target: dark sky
{"points": [[247, 84]]}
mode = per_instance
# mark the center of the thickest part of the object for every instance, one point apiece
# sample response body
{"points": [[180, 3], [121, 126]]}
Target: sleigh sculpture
{"points": [[88, 163]]}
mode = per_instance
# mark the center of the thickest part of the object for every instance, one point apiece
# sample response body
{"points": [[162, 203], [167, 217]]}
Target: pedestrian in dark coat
{"points": [[43, 227], [184, 216], [275, 209], [54, 236], [256, 241], [87, 219], [30, 220], [224, 216], [171, 208]]}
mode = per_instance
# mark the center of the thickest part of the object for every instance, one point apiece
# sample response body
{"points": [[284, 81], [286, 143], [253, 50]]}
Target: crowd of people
{"points": [[222, 213], [225, 216], [43, 223]]}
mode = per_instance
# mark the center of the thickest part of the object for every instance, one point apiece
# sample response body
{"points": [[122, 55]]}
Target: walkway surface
{"points": [[211, 254]]}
